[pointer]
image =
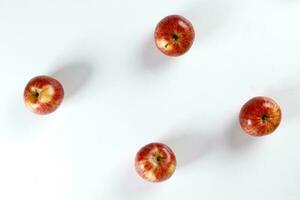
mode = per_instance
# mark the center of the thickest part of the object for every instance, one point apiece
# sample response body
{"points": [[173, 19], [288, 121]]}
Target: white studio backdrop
{"points": [[122, 93]]}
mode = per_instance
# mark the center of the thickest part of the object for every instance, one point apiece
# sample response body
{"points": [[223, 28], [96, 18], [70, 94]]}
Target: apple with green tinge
{"points": [[43, 94], [260, 116], [155, 162], [174, 35]]}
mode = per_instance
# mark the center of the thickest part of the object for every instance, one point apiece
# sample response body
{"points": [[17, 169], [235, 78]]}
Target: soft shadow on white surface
{"points": [[189, 146], [207, 16], [74, 76], [151, 57], [235, 139]]}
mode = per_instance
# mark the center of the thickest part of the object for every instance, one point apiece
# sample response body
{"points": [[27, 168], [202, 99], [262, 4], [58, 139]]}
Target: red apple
{"points": [[155, 162], [260, 116], [43, 94], [174, 35]]}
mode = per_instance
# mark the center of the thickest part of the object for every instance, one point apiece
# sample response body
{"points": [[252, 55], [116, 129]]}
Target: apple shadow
{"points": [[188, 146], [207, 16], [151, 57], [73, 76], [132, 186], [235, 139]]}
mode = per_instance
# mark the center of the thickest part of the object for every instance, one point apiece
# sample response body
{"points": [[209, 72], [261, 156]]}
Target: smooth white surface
{"points": [[121, 93]]}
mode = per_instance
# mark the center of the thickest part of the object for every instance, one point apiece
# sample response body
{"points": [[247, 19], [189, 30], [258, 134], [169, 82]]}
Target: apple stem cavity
{"points": [[265, 118], [36, 94], [158, 158], [175, 37]]}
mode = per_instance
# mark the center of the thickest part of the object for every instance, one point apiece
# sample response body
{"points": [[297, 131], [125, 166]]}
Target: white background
{"points": [[122, 93]]}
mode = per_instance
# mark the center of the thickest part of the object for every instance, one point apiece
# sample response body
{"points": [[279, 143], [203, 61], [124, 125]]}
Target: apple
{"points": [[260, 116], [174, 35], [155, 162], [43, 94]]}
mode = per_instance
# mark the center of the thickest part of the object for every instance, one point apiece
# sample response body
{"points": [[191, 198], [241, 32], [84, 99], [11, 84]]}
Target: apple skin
{"points": [[260, 116], [174, 35], [155, 162], [43, 94]]}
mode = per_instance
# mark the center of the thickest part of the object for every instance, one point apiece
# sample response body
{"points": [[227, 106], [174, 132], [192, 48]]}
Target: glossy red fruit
{"points": [[260, 116], [43, 94], [155, 162], [174, 35]]}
